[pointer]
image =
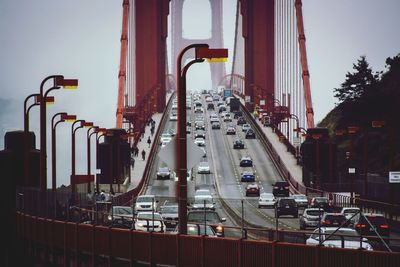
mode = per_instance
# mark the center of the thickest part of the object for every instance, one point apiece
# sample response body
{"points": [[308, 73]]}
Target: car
{"points": [[266, 200], [214, 118], [149, 221], [199, 141], [208, 216], [310, 218], [172, 132], [199, 125], [245, 127], [333, 219], [200, 134], [350, 213], [188, 175], [253, 189], [121, 216], [208, 99], [250, 134], [215, 125], [238, 144], [173, 116], [146, 203], [203, 204], [215, 97], [163, 173], [246, 161], [280, 188], [165, 137], [220, 103], [227, 117], [203, 167], [198, 110], [203, 194], [287, 206], [237, 114], [343, 238], [170, 215], [248, 176], [210, 106], [241, 121], [301, 200], [230, 130], [371, 224], [322, 202], [221, 108]]}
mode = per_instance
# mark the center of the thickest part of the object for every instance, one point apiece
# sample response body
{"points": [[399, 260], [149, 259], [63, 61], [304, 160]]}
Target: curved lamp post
{"points": [[201, 51], [63, 117], [88, 135], [58, 82]]}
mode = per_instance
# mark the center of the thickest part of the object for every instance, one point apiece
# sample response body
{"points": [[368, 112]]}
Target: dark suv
{"points": [[378, 221], [333, 220], [287, 206], [321, 202], [280, 189]]}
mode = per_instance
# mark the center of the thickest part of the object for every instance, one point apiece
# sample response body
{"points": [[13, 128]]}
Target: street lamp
{"points": [[201, 51], [88, 135], [102, 132], [26, 111], [58, 82], [63, 117]]}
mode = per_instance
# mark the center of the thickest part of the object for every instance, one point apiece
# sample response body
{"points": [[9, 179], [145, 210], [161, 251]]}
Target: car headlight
{"points": [[140, 224], [109, 217], [219, 228]]}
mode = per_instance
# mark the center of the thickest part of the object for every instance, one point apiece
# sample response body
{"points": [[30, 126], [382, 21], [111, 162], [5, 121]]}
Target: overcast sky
{"points": [[81, 39]]}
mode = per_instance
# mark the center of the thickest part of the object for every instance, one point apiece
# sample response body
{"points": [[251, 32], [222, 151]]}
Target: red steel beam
{"points": [[122, 64], [304, 65]]}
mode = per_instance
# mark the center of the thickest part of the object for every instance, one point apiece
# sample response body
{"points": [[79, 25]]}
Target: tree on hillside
{"points": [[357, 83]]}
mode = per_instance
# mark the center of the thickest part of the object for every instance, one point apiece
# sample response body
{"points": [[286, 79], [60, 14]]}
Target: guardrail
{"points": [[127, 197], [69, 243]]}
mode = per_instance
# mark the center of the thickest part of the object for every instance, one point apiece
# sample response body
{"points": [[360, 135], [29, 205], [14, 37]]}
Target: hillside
{"points": [[367, 97]]}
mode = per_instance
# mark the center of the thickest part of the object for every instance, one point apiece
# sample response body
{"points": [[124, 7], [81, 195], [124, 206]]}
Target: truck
{"points": [[234, 104]]}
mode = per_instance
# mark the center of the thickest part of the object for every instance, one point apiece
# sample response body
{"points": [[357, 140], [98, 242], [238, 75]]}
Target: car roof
{"points": [[252, 185], [267, 194], [245, 157]]}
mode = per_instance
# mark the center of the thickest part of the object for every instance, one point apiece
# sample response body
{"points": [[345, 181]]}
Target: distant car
{"points": [[238, 144], [241, 121], [287, 206], [198, 229], [150, 222], [200, 134], [310, 218], [198, 110], [163, 173], [230, 130], [165, 137], [169, 213], [246, 161], [216, 125], [280, 188], [237, 114], [199, 125], [250, 134], [245, 127], [121, 216], [211, 217], [199, 141], [201, 204], [321, 202], [172, 132], [253, 189], [227, 117], [301, 200], [248, 176], [378, 221], [350, 237], [203, 167], [210, 106], [173, 117], [222, 108], [333, 220], [146, 203], [350, 213], [201, 194], [266, 200]]}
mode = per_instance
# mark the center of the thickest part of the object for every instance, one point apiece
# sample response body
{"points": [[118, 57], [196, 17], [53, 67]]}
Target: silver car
{"points": [[310, 217], [266, 200], [203, 167]]}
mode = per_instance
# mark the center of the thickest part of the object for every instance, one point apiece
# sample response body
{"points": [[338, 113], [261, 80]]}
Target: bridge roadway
{"points": [[224, 180]]}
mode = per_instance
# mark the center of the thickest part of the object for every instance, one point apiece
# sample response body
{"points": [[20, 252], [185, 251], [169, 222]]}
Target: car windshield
{"points": [[149, 216], [300, 197], [315, 212], [122, 210], [267, 195], [199, 216], [347, 235], [203, 164], [170, 209], [202, 201], [145, 199], [350, 211], [321, 200], [203, 193]]}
